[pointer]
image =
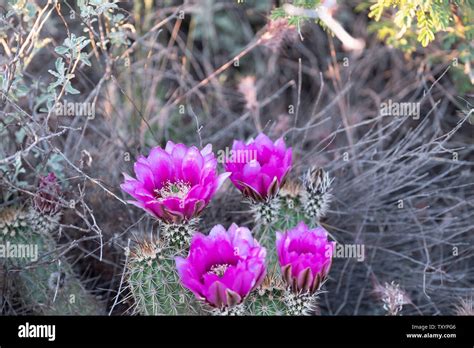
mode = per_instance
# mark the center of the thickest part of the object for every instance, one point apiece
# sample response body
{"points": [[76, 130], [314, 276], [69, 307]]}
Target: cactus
{"points": [[284, 216], [267, 211], [179, 234], [233, 311], [225, 270], [12, 221], [46, 286], [154, 283], [303, 303], [317, 194], [42, 223], [268, 299], [296, 202], [273, 297], [307, 202]]}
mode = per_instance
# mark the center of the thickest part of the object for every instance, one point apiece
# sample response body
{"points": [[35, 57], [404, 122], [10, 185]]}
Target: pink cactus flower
{"points": [[174, 184], [305, 257], [223, 267], [259, 167]]}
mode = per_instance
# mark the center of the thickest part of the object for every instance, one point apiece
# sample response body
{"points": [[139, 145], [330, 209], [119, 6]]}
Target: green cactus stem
{"points": [[268, 298], [154, 282]]}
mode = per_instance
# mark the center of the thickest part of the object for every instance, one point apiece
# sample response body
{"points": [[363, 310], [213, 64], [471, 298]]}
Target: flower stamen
{"points": [[219, 270], [178, 189]]}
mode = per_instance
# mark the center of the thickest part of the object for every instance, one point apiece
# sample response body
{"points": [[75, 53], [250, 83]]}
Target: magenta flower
{"points": [[174, 184], [223, 267], [259, 167], [305, 257]]}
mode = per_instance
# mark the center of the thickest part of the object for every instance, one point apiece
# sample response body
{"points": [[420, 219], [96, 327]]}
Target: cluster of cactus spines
{"points": [[273, 297], [179, 234], [266, 212], [316, 196], [154, 283], [302, 303], [231, 311], [12, 221], [47, 285], [42, 223], [393, 297], [265, 209]]}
